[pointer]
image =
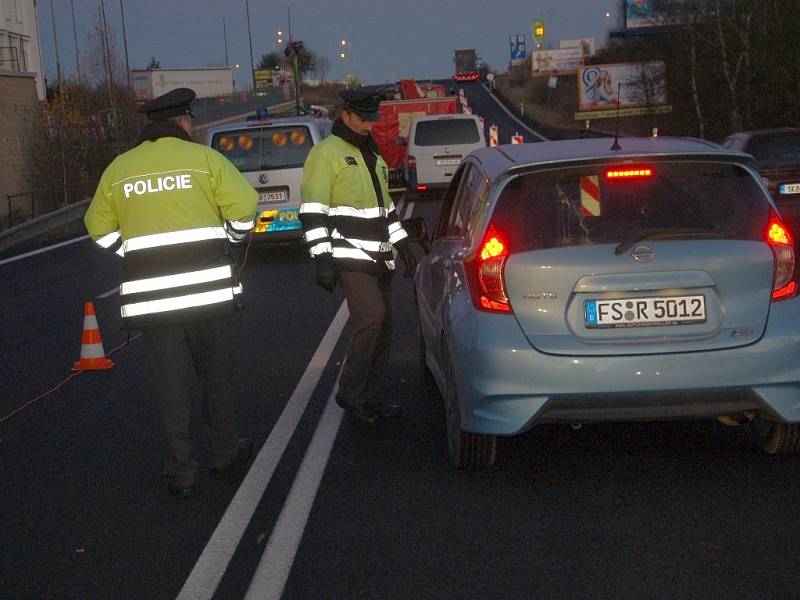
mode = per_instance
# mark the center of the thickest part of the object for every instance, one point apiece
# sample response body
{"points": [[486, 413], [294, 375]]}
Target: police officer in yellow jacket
{"points": [[351, 227], [171, 208]]}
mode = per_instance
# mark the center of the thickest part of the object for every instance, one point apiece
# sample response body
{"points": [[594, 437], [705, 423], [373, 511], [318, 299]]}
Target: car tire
{"points": [[776, 438], [467, 451]]}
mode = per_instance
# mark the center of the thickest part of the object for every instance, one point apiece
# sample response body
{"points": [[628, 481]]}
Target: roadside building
{"points": [[22, 90]]}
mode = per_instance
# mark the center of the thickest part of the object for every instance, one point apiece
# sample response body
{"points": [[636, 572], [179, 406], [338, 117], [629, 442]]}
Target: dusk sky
{"points": [[388, 40]]}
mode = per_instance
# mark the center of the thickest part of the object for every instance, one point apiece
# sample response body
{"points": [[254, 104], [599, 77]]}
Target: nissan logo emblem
{"points": [[642, 254], [263, 178]]}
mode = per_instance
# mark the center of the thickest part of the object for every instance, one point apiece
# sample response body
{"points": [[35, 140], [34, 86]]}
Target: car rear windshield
{"points": [[580, 206], [776, 150], [260, 149], [445, 132]]}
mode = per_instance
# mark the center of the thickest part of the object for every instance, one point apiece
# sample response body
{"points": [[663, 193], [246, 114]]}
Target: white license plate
{"points": [[645, 312], [789, 188], [447, 162], [272, 197]]}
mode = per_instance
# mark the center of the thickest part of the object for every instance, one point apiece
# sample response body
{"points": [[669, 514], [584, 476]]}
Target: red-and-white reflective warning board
{"points": [[516, 139], [493, 135], [590, 196]]}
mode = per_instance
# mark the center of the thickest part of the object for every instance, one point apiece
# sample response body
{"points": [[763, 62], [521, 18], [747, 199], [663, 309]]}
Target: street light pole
{"points": [[125, 44], [250, 39], [289, 16], [55, 42], [225, 36], [75, 34]]}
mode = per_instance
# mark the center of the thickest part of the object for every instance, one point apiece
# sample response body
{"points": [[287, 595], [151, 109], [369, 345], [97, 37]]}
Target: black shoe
{"points": [[184, 492], [344, 403], [385, 411], [362, 415], [244, 451]]}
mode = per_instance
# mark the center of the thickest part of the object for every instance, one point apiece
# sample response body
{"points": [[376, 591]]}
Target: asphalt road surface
{"points": [[327, 510]]}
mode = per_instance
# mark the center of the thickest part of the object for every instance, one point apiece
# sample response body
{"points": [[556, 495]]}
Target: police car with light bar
{"points": [[270, 153]]}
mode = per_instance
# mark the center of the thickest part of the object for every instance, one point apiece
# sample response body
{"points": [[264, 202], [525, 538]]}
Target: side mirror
{"points": [[400, 142], [417, 232]]}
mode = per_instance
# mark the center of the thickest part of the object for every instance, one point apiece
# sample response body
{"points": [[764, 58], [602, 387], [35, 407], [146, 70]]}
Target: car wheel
{"points": [[776, 438], [467, 451]]}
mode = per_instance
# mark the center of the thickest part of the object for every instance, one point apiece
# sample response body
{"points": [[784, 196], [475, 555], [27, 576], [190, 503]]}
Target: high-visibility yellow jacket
{"points": [[347, 211], [170, 207]]}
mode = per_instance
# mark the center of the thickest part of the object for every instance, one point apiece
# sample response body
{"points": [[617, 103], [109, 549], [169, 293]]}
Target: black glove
{"points": [[404, 252], [326, 272]]}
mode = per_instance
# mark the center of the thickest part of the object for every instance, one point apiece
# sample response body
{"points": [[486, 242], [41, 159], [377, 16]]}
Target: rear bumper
{"points": [[506, 387]]}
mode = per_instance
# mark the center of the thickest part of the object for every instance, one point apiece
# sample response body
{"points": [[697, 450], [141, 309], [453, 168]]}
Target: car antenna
{"points": [[615, 145]]}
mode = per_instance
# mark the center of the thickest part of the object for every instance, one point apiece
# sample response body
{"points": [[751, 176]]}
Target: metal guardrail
{"points": [[41, 225]]}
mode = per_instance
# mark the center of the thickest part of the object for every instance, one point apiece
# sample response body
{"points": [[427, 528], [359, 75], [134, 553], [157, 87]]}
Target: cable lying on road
{"points": [[61, 384]]}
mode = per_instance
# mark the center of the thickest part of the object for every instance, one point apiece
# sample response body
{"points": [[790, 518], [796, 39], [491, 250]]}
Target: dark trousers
{"points": [[369, 302], [178, 352]]}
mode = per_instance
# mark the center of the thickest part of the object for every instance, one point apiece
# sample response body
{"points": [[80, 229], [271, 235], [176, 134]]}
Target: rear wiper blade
{"points": [[676, 233]]}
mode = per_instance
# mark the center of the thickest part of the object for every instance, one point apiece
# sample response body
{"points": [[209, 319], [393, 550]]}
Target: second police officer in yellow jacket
{"points": [[170, 208], [351, 227]]}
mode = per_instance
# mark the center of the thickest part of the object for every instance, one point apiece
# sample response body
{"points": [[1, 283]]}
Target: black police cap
{"points": [[172, 104], [363, 101]]}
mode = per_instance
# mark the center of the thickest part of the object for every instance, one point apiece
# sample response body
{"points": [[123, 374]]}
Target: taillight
{"points": [[629, 173], [412, 162], [780, 241], [485, 274], [422, 187]]}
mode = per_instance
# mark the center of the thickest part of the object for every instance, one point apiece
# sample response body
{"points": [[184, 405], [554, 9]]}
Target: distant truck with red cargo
{"points": [[466, 63], [390, 132]]}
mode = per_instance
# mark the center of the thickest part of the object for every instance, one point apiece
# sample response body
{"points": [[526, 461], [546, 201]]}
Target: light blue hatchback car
{"points": [[568, 282]]}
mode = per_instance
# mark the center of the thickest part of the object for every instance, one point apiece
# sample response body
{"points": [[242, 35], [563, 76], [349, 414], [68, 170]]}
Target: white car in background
{"points": [[270, 153], [436, 146]]}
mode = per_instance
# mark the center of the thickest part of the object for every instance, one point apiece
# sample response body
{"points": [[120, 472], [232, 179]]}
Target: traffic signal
{"points": [[538, 32]]}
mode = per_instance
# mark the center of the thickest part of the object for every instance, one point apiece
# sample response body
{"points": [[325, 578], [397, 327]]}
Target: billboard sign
{"points": [[262, 78], [587, 45], [563, 60], [627, 85], [517, 47], [658, 13]]}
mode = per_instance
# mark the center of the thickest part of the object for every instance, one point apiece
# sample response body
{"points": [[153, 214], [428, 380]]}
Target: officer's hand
{"points": [[326, 273], [408, 258]]}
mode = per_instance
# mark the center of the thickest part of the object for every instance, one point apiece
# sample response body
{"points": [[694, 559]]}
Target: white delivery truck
{"points": [[149, 84]]}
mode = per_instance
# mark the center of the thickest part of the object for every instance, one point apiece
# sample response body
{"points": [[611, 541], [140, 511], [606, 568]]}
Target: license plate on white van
{"points": [[645, 312], [447, 162], [273, 197]]}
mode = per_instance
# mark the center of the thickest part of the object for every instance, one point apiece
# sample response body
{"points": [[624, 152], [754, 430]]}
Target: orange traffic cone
{"points": [[93, 357]]}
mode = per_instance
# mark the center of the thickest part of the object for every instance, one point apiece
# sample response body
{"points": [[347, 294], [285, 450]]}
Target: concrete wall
{"points": [[19, 111]]}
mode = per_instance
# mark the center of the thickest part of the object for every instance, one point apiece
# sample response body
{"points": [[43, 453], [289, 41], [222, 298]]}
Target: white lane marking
{"points": [[276, 562], [210, 567], [510, 114], [109, 293], [45, 249]]}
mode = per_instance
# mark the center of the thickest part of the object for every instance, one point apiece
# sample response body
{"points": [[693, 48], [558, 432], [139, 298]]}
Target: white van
{"points": [[436, 146], [270, 153]]}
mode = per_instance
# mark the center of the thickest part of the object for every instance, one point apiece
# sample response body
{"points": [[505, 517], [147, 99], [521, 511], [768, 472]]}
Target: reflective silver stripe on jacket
{"points": [[109, 239], [397, 235], [321, 248], [137, 309], [157, 240], [152, 284], [314, 207], [352, 253], [317, 233], [362, 213], [367, 245]]}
